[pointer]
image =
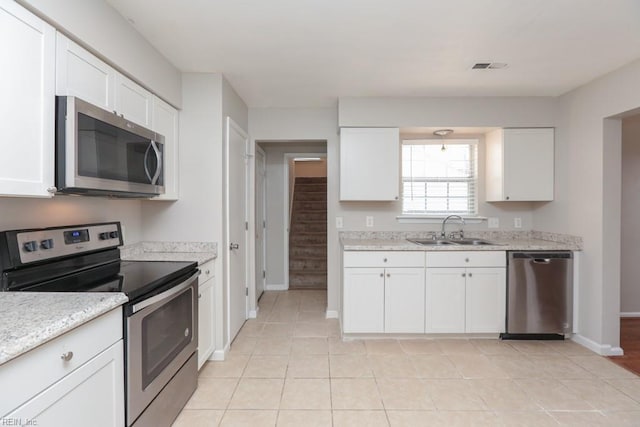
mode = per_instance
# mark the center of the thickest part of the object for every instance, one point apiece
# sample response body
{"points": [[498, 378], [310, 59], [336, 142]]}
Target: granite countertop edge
{"points": [[503, 245], [35, 318], [200, 252]]}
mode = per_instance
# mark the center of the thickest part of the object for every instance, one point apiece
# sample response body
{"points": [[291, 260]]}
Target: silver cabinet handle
{"points": [[388, 275], [385, 260], [199, 295], [464, 275], [466, 260], [67, 356], [234, 246], [470, 275], [381, 274], [207, 272]]}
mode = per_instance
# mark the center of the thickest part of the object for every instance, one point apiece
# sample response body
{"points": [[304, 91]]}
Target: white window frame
{"points": [[436, 216]]}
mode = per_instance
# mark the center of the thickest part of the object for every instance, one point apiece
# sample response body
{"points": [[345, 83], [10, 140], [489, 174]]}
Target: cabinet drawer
{"points": [[32, 372], [206, 271], [384, 259], [467, 259]]}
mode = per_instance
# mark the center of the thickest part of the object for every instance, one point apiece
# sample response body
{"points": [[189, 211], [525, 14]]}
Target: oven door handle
{"points": [[166, 294]]}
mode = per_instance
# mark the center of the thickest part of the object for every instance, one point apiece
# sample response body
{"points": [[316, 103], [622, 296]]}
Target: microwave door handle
{"points": [[158, 154], [144, 161]]}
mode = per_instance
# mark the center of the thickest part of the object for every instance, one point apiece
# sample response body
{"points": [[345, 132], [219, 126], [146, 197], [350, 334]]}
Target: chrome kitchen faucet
{"points": [[443, 234]]}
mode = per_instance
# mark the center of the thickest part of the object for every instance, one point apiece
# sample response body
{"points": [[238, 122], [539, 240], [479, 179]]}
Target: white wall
{"points": [[198, 214], [100, 28], [16, 213], [630, 220], [275, 197], [588, 189], [286, 124]]}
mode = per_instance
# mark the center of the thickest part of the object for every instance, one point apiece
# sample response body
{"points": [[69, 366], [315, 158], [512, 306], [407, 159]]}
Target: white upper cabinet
{"points": [[79, 73], [28, 90], [133, 101], [369, 164], [165, 122], [520, 165]]}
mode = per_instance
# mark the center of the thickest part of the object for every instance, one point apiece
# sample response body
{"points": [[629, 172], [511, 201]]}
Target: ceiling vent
{"points": [[488, 65]]}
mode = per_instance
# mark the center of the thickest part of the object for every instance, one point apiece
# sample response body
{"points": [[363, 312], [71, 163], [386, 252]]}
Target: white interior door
{"points": [[236, 145], [261, 218]]}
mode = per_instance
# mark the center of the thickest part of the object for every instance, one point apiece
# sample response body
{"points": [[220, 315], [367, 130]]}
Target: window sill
{"points": [[436, 219]]}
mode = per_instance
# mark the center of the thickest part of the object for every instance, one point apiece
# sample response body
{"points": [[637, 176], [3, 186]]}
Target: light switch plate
{"points": [[369, 221], [339, 223], [494, 222], [517, 222]]}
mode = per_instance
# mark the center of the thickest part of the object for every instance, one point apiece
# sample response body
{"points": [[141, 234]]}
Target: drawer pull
{"points": [[464, 275], [470, 275], [385, 260], [67, 356], [207, 272], [381, 274], [388, 274], [199, 295], [466, 260]]}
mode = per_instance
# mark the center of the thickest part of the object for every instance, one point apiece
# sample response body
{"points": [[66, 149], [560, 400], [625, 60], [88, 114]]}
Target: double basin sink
{"points": [[444, 242]]}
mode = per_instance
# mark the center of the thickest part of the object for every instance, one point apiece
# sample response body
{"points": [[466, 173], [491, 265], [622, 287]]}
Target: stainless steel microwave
{"points": [[99, 153]]}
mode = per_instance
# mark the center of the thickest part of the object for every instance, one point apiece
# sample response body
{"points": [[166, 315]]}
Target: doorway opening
{"points": [[629, 244], [307, 222], [295, 185]]}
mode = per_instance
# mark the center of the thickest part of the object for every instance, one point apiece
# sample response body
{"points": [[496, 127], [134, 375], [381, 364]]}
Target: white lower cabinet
{"points": [[76, 379], [205, 313], [89, 396], [363, 300], [383, 292], [466, 292], [404, 300]]}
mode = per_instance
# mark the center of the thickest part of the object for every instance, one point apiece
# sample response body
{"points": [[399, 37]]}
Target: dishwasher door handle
{"points": [[542, 260]]}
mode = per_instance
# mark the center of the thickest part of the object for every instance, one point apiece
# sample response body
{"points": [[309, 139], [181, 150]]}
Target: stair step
{"points": [[308, 265], [309, 205], [311, 188], [304, 196], [311, 179], [309, 250], [300, 227]]}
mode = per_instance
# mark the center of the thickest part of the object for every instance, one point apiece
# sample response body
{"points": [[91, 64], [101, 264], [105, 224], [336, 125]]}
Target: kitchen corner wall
{"points": [[588, 189]]}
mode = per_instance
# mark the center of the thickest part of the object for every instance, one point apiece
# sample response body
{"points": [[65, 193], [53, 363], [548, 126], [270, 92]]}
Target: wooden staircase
{"points": [[308, 235]]}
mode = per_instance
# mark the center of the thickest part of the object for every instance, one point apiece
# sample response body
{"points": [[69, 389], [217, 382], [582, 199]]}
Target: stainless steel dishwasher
{"points": [[539, 295]]}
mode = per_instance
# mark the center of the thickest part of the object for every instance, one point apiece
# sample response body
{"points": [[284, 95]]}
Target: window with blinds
{"points": [[437, 180]]}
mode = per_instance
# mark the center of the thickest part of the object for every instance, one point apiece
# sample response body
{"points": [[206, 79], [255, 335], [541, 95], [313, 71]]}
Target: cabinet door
{"points": [[92, 395], [445, 300], [369, 164], [133, 101], [528, 164], [28, 108], [205, 321], [404, 300], [363, 304], [165, 122], [486, 300], [80, 73]]}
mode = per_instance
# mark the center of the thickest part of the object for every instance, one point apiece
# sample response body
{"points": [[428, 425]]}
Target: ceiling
{"points": [[307, 53]]}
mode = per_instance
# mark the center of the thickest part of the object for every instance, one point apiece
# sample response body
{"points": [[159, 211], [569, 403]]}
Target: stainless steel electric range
{"points": [[160, 319]]}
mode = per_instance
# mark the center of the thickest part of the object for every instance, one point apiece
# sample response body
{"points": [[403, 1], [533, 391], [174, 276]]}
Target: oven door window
{"points": [[165, 332], [107, 152]]}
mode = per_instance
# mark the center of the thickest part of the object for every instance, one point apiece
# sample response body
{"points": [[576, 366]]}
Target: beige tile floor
{"points": [[289, 367]]}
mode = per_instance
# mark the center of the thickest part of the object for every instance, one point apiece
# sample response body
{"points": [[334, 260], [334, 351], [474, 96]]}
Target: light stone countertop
{"points": [[200, 252], [33, 318], [504, 245]]}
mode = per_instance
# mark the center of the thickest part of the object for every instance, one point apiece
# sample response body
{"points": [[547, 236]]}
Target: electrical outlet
{"points": [[339, 223], [517, 222], [494, 222], [369, 221]]}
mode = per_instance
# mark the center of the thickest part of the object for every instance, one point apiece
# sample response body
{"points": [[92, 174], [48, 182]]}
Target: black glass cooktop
{"points": [[134, 278]]}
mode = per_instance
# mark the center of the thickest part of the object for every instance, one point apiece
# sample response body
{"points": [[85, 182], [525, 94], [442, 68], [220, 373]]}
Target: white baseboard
{"points": [[332, 314], [601, 349], [630, 314], [220, 355], [253, 314], [276, 287]]}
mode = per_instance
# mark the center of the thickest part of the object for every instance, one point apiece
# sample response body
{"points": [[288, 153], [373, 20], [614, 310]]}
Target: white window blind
{"points": [[437, 181]]}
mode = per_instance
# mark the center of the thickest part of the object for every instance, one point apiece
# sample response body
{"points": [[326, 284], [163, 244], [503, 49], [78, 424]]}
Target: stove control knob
{"points": [[103, 236], [47, 244], [31, 246], [113, 234]]}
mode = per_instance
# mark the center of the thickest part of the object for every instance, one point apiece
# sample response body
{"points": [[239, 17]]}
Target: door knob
{"points": [[234, 246]]}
